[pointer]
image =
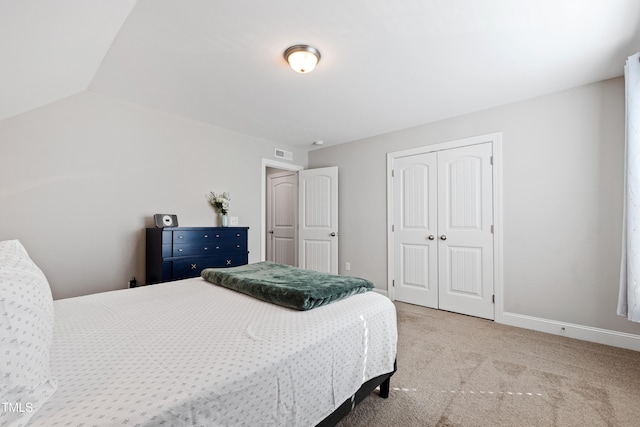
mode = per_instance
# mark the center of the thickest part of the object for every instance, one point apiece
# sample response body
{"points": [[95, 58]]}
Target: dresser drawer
{"points": [[230, 234], [192, 236], [205, 236], [191, 267], [204, 249]]}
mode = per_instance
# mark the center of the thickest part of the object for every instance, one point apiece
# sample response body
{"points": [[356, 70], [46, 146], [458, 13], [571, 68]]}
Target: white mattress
{"points": [[192, 353]]}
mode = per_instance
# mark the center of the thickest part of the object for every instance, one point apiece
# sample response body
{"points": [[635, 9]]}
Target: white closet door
{"points": [[465, 238], [415, 229], [318, 219]]}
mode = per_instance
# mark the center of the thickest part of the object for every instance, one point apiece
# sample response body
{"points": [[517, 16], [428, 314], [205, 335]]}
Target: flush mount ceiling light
{"points": [[302, 58]]}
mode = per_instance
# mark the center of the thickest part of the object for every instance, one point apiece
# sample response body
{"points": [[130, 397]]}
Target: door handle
{"points": [[333, 234], [443, 237], [431, 237], [270, 231]]}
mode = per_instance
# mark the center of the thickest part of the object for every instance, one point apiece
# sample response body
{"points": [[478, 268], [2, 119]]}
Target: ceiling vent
{"points": [[282, 154]]}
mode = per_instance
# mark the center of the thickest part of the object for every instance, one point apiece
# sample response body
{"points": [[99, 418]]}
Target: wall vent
{"points": [[283, 154]]}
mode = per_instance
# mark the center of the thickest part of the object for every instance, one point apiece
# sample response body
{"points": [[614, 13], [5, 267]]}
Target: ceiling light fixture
{"points": [[302, 58]]}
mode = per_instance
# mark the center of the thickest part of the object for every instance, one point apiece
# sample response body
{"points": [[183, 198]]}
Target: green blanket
{"points": [[287, 286]]}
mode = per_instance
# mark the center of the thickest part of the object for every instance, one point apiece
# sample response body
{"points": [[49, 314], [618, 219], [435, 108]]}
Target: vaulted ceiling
{"points": [[386, 65]]}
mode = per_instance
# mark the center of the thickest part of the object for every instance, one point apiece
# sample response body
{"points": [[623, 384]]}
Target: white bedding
{"points": [[192, 353]]}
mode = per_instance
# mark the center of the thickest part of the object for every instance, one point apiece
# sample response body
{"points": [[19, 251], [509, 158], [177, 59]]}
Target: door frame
{"points": [[263, 198], [496, 140]]}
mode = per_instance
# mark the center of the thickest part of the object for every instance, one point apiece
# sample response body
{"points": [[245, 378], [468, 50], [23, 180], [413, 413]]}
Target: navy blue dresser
{"points": [[182, 252]]}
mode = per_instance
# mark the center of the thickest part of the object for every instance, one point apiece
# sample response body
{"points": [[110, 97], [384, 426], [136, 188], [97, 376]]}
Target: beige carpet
{"points": [[455, 370]]}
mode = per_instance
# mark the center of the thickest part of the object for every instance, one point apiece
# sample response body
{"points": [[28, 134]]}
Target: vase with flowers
{"points": [[220, 202]]}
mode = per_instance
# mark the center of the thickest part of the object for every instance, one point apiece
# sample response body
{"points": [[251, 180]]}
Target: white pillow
{"points": [[26, 334]]}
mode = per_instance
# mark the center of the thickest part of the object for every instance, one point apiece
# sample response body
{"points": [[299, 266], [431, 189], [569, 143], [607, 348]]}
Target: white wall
{"points": [[562, 196], [81, 178]]}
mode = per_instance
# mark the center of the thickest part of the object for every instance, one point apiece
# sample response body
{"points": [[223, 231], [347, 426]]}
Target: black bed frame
{"points": [[384, 381]]}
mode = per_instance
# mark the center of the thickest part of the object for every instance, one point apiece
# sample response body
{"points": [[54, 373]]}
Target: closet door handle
{"points": [[443, 237], [431, 237]]}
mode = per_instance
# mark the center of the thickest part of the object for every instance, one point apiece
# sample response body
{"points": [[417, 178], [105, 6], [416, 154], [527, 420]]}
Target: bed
{"points": [[190, 352]]}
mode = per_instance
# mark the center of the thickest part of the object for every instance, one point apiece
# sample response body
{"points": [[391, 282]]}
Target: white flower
{"points": [[220, 202]]}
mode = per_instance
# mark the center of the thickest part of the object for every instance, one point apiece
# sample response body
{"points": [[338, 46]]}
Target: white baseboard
{"points": [[381, 291], [585, 333]]}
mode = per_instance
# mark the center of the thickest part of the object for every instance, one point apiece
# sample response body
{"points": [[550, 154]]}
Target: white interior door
{"points": [[281, 217], [318, 219], [415, 229], [465, 220], [442, 229]]}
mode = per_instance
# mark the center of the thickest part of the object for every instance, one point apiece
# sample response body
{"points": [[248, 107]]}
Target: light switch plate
{"points": [[233, 220]]}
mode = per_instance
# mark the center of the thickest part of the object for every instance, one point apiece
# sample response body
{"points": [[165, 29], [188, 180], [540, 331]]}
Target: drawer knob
{"points": [[179, 250], [180, 236], [206, 235], [206, 249]]}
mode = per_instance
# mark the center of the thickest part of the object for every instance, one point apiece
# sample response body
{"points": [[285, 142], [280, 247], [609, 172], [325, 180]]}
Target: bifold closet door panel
{"points": [[465, 218], [415, 229]]}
